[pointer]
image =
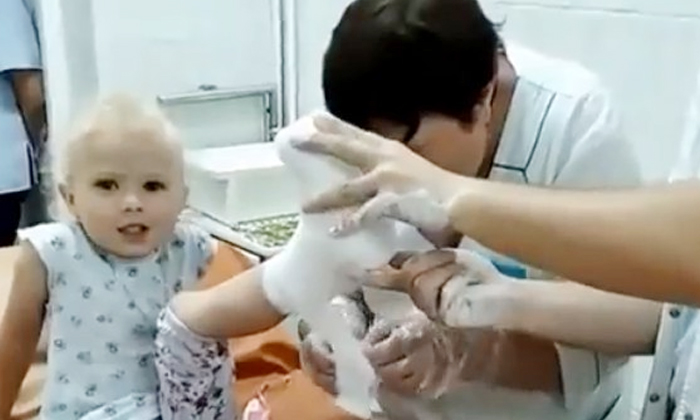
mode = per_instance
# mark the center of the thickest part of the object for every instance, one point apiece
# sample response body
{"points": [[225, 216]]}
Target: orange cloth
{"points": [[263, 359]]}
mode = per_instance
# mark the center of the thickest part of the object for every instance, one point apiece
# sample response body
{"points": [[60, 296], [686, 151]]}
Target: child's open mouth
{"points": [[134, 230]]}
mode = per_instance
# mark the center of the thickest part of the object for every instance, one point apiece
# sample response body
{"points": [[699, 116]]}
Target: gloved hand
{"points": [[397, 182], [317, 363], [454, 287], [316, 354], [415, 356]]}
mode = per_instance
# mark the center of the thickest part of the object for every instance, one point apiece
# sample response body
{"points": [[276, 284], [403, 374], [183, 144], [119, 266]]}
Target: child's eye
{"points": [[153, 186], [107, 184]]}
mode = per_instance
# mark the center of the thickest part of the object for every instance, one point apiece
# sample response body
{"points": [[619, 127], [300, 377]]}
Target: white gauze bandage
{"points": [[314, 267]]}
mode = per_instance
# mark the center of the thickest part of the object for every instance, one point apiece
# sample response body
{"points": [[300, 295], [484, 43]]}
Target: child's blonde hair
{"points": [[115, 114]]}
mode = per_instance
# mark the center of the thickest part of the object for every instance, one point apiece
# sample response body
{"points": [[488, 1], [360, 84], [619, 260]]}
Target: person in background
{"points": [[436, 76], [22, 112]]}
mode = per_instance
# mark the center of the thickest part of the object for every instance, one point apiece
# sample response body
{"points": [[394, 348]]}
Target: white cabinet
{"points": [[157, 47], [169, 46]]}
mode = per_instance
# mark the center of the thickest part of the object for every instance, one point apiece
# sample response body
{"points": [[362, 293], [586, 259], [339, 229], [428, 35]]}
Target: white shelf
{"points": [[225, 162], [240, 183]]}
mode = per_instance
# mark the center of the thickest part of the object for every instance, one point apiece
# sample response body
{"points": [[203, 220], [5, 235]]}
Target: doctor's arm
{"points": [[20, 325], [599, 154], [463, 290], [582, 317], [641, 242]]}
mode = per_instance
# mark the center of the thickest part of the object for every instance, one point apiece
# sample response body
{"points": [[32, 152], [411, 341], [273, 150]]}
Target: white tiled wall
{"points": [[68, 57], [643, 50]]}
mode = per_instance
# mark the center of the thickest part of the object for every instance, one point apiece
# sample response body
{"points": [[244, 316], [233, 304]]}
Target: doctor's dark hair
{"points": [[399, 60]]}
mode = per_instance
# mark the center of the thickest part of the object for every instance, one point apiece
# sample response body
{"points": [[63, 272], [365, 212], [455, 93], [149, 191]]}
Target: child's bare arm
{"points": [[20, 325], [231, 309]]}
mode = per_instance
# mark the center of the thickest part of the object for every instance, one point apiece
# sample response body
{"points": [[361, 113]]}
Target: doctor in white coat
{"points": [[435, 75], [674, 385], [643, 233]]}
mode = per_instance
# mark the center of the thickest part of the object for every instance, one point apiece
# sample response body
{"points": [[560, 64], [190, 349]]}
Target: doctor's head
{"points": [[120, 175], [418, 71]]}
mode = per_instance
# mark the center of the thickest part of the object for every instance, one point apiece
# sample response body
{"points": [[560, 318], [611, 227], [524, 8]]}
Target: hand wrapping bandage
{"points": [[315, 267]]}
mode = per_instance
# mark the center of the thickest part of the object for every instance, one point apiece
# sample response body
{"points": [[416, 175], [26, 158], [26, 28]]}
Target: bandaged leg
{"points": [[194, 372]]}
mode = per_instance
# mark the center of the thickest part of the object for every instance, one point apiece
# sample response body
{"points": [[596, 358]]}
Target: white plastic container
{"points": [[239, 183]]}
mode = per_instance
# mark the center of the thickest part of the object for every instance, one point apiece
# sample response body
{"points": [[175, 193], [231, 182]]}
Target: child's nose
{"points": [[132, 202]]}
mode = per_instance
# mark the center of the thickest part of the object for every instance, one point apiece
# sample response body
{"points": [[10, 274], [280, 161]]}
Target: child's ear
{"points": [[66, 195], [68, 198]]}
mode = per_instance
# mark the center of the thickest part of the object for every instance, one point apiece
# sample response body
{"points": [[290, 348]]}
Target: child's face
{"points": [[126, 193]]}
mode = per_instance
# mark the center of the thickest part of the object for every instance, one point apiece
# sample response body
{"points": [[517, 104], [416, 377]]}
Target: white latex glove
{"points": [[455, 287], [414, 356], [396, 182]]}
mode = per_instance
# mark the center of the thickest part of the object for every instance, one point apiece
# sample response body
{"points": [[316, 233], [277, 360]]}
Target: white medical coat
{"points": [[19, 49], [561, 130], [674, 386]]}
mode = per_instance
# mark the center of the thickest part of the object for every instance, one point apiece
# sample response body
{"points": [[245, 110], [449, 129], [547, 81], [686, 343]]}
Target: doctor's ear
{"points": [[482, 110]]}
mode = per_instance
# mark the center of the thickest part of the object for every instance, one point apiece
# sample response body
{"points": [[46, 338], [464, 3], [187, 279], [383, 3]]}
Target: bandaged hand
{"points": [[415, 356], [454, 287], [396, 182], [317, 355]]}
